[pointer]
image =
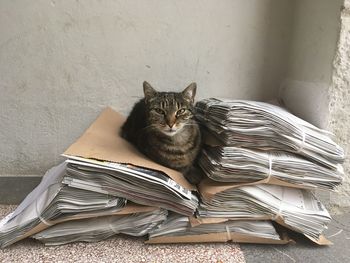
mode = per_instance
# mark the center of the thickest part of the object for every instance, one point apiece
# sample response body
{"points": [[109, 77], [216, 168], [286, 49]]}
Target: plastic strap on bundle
{"points": [[270, 168], [302, 145], [228, 233], [39, 215], [280, 210]]}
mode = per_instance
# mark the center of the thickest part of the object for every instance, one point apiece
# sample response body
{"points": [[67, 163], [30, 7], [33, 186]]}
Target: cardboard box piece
{"points": [[102, 141]]}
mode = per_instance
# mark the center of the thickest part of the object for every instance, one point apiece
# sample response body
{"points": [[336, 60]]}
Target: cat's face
{"points": [[169, 112]]}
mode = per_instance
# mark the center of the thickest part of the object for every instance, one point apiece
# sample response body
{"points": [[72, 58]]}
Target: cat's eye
{"points": [[158, 110], [180, 111]]}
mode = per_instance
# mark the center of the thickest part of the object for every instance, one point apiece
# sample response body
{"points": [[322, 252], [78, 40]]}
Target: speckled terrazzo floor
{"points": [[119, 249]]}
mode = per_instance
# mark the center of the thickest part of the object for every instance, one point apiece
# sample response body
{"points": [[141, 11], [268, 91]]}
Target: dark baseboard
{"points": [[13, 189]]}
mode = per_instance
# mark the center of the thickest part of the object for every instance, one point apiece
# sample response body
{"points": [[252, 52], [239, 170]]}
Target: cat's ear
{"points": [[190, 92], [148, 90]]}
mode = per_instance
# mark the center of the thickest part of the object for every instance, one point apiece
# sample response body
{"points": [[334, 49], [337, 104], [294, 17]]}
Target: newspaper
{"points": [[97, 229], [177, 229], [53, 201], [297, 209], [264, 126], [142, 186], [241, 165], [102, 161]]}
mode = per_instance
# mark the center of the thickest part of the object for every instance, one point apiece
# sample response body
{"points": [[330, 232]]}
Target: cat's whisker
{"points": [[148, 127]]}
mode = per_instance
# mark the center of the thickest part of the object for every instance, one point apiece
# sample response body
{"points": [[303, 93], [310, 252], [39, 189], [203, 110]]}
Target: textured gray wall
{"points": [[339, 106], [61, 62], [315, 33], [318, 76]]}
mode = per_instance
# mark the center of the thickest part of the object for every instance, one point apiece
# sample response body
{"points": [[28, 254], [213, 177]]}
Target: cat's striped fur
{"points": [[162, 126]]}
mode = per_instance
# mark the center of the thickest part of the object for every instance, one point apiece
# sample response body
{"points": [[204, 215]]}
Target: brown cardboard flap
{"points": [[102, 141], [219, 237], [195, 221]]}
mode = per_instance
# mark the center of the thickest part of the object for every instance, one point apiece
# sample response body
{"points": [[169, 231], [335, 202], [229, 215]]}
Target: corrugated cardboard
{"points": [[130, 208], [196, 221], [222, 236], [102, 141], [219, 237]]}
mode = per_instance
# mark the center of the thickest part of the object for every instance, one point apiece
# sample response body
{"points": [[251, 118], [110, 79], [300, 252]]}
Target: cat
{"points": [[162, 126]]}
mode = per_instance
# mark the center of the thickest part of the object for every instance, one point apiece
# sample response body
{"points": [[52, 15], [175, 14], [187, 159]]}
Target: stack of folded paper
{"points": [[256, 157], [242, 165], [105, 177], [254, 154], [263, 126], [178, 228]]}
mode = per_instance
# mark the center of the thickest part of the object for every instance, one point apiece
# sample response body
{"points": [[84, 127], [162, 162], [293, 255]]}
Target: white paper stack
{"points": [[257, 156], [179, 226], [264, 126], [85, 198], [102, 161], [140, 185], [296, 208], [241, 165], [97, 229], [52, 201]]}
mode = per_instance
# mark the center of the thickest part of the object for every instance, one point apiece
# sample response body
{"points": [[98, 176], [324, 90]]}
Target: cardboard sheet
{"points": [[102, 141], [218, 237]]}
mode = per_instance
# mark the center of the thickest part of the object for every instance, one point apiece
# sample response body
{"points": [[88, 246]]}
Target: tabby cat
{"points": [[162, 126]]}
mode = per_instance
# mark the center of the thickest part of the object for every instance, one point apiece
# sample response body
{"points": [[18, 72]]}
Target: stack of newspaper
{"points": [[242, 165], [52, 202], [107, 187], [103, 162], [257, 156], [264, 126], [178, 228], [296, 208], [104, 187], [97, 229], [142, 186]]}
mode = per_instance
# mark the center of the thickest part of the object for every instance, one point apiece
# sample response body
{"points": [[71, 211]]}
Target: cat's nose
{"points": [[171, 125]]}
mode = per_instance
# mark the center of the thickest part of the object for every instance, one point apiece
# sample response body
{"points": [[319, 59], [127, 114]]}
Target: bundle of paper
{"points": [[97, 229], [141, 186], [177, 229], [52, 202], [101, 161], [265, 126], [294, 208], [248, 166]]}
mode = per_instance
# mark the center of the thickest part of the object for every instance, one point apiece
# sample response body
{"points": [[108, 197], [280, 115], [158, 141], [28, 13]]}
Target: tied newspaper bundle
{"points": [[181, 229], [104, 187], [257, 156], [263, 126]]}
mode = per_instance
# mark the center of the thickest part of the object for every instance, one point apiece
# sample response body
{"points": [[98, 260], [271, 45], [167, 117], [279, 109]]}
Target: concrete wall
{"points": [[61, 62], [317, 80], [339, 104], [315, 32]]}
